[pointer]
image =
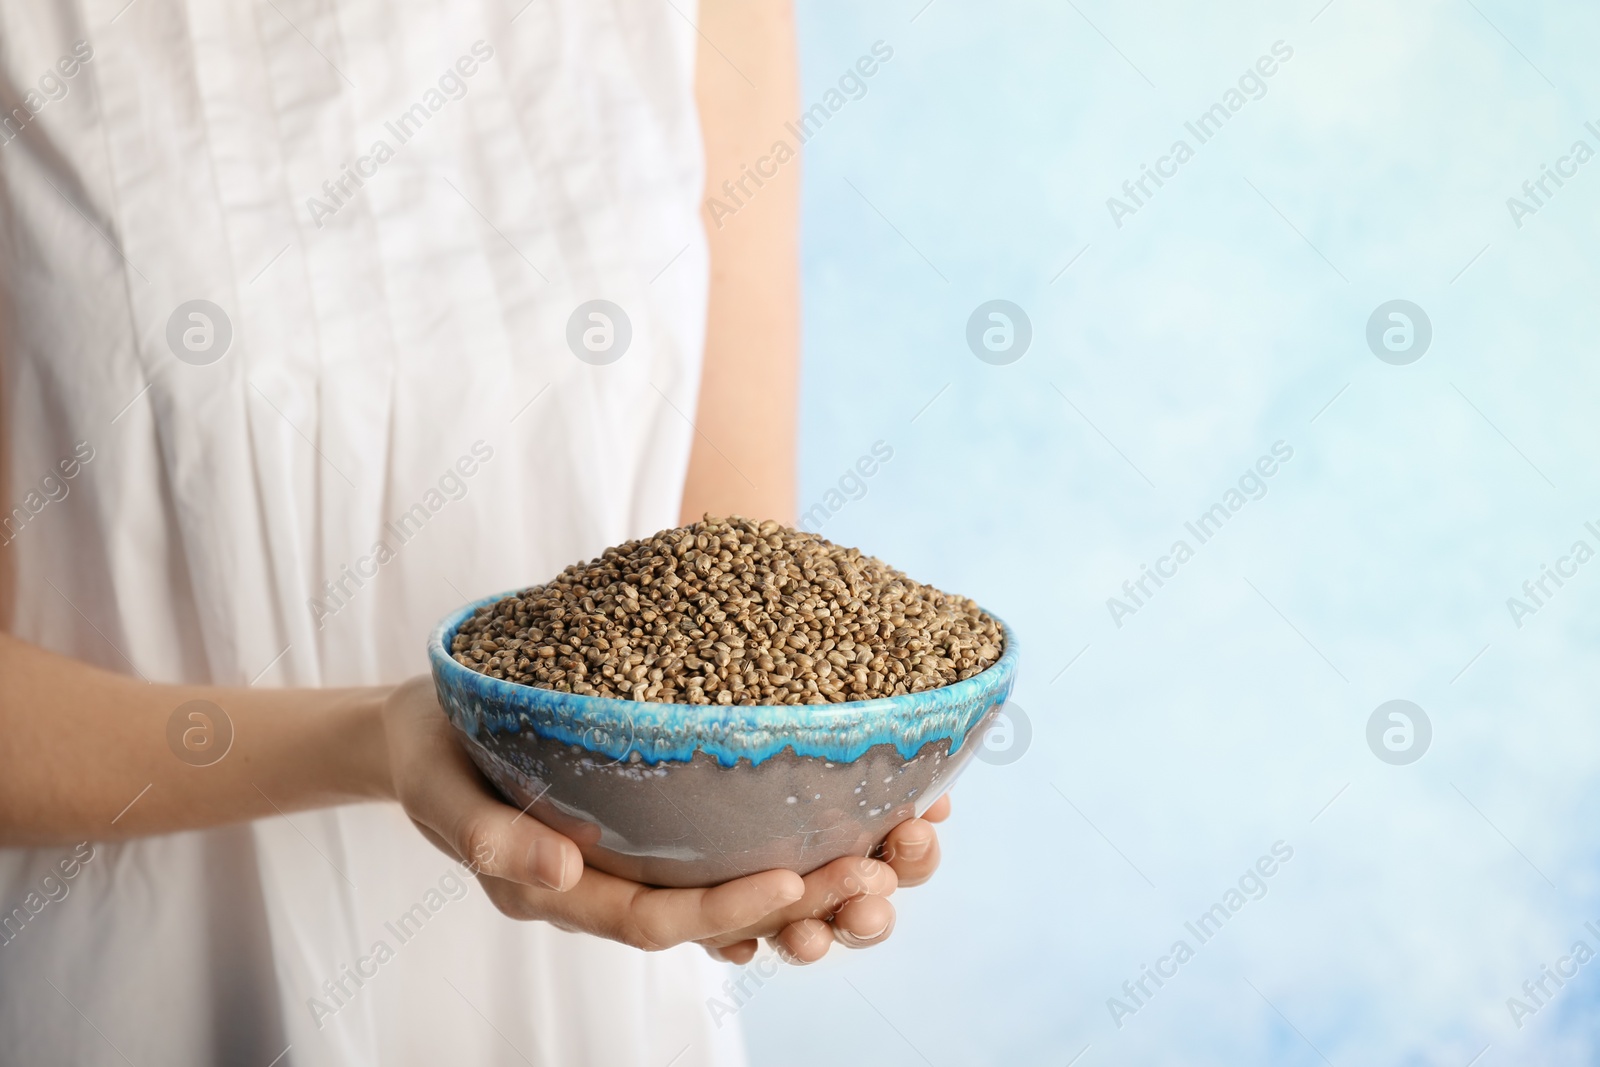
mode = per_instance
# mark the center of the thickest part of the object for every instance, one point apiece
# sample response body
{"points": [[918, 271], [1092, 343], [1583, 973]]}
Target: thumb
{"points": [[443, 793]]}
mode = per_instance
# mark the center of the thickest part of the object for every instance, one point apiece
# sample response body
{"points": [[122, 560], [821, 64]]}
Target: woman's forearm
{"points": [[743, 457], [89, 754]]}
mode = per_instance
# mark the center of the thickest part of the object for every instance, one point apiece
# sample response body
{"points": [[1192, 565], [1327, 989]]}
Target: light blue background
{"points": [[1191, 339]]}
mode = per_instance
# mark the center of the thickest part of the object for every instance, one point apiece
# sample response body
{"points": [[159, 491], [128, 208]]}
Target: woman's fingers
{"points": [[806, 941], [827, 889], [912, 849], [859, 923], [653, 919], [847, 900], [444, 793], [648, 918], [740, 952], [864, 921], [670, 916], [831, 886], [531, 871]]}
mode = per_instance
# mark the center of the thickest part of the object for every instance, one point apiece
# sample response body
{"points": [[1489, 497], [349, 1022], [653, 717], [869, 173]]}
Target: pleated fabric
{"points": [[396, 207]]}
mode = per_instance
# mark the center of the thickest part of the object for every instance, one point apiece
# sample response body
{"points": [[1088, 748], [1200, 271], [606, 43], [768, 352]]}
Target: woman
{"points": [[317, 320]]}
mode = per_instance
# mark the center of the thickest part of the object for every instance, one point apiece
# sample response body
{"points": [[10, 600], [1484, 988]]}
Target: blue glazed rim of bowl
{"points": [[658, 733]]}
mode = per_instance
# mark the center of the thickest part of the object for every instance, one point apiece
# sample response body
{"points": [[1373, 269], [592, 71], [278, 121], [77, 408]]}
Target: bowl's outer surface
{"points": [[690, 795]]}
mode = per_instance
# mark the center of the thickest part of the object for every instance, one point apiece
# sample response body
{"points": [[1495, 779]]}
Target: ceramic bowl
{"points": [[693, 795]]}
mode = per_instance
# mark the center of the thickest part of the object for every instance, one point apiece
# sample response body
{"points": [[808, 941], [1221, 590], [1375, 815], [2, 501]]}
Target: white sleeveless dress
{"points": [[398, 374]]}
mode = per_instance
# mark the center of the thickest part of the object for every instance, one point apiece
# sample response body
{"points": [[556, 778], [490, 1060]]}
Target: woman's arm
{"points": [[743, 460], [81, 744], [87, 756]]}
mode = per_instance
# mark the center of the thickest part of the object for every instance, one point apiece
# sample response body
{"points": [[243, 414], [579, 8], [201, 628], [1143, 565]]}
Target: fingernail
{"points": [[861, 939], [879, 932], [916, 848], [788, 957], [547, 863]]}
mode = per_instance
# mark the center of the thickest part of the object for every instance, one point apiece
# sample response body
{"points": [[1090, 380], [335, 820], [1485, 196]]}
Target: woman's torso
{"points": [[395, 210]]}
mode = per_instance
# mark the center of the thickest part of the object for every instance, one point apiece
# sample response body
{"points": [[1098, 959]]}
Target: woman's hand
{"points": [[846, 900], [530, 871]]}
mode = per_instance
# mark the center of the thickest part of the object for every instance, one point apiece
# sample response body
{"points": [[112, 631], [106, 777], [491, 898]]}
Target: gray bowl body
{"points": [[693, 795]]}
